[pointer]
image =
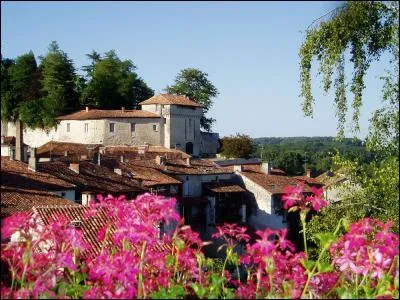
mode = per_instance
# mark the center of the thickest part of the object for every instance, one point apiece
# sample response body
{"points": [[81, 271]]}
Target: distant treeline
{"points": [[296, 154]]}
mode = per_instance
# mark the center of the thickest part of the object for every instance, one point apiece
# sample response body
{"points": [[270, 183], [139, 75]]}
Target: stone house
{"points": [[166, 120]]}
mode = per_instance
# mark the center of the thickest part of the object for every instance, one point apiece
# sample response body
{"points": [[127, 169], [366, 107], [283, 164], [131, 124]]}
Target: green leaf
{"points": [[323, 267], [198, 289], [170, 260], [325, 238]]}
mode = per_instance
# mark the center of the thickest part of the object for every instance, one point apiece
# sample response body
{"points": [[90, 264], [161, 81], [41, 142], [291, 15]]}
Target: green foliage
{"points": [[238, 146], [112, 83], [366, 28], [316, 152], [58, 84], [291, 162], [19, 85], [194, 84]]}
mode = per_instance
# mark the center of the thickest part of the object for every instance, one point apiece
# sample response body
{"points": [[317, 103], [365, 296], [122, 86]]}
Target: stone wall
{"points": [[263, 217]]}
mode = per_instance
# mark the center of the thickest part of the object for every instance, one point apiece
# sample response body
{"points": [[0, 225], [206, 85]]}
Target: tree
{"points": [[58, 85], [238, 146], [20, 88], [367, 29], [364, 28], [113, 83], [194, 84], [291, 162]]}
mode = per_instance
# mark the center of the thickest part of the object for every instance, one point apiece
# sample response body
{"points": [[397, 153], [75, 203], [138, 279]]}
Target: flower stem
{"points": [[140, 276]]}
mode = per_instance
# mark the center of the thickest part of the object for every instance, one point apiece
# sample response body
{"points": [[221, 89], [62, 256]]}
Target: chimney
{"points": [[188, 161], [2, 139], [32, 163], [122, 158], [66, 153], [87, 108], [308, 173], [123, 109], [267, 168], [99, 159], [118, 171], [19, 142], [74, 167], [237, 168]]}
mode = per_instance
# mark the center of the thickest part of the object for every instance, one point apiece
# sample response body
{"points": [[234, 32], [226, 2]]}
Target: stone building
{"points": [[166, 120]]}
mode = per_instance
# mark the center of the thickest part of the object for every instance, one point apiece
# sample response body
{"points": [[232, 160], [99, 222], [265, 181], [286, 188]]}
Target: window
{"points": [[68, 127], [112, 127], [190, 123], [154, 127], [133, 127], [86, 127]]}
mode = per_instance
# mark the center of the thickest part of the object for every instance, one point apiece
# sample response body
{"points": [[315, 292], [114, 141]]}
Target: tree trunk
{"points": [[19, 141]]}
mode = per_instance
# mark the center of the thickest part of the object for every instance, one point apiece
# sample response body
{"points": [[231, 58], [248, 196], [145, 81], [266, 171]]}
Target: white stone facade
{"points": [[264, 216], [178, 127]]}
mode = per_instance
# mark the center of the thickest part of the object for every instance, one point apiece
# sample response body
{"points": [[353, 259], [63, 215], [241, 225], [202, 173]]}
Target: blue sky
{"points": [[249, 50]]}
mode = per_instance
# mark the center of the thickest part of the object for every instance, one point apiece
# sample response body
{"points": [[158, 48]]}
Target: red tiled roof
{"points": [[93, 114], [309, 180], [224, 187], [274, 184], [132, 152], [16, 174], [89, 226], [169, 99], [74, 150], [91, 177], [19, 200], [196, 167], [146, 171]]}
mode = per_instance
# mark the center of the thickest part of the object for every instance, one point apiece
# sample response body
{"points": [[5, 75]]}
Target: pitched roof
{"points": [[75, 151], [196, 167], [309, 180], [90, 226], [16, 174], [329, 178], [93, 114], [239, 161], [19, 200], [274, 184], [146, 171], [169, 99], [224, 187], [91, 177], [150, 152]]}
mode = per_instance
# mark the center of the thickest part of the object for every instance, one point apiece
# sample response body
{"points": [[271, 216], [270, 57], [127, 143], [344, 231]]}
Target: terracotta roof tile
{"points": [[93, 114], [169, 99], [224, 187], [74, 150], [89, 226], [17, 175], [274, 184], [91, 177], [132, 152], [309, 180], [196, 167], [146, 171], [19, 200]]}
